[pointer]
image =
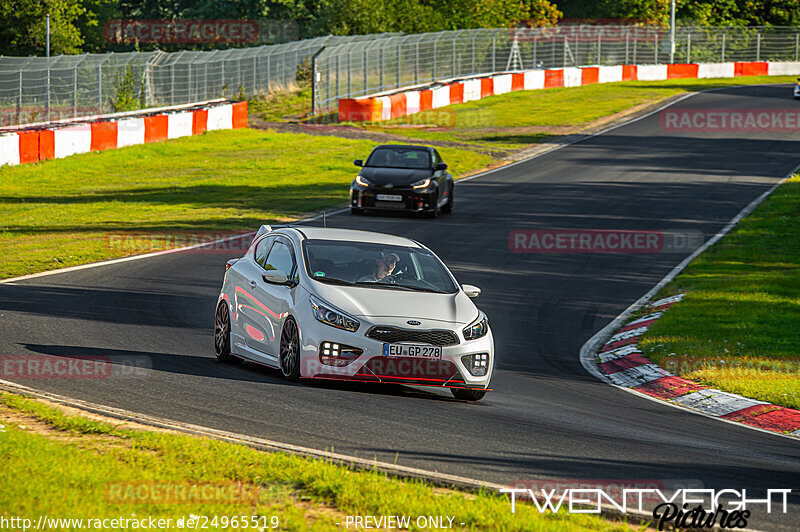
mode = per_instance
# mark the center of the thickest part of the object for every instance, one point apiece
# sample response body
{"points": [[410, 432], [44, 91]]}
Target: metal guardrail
{"points": [[379, 65]]}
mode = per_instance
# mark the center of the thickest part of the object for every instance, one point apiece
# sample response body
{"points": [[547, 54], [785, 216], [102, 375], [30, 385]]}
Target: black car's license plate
{"points": [[408, 350], [389, 197]]}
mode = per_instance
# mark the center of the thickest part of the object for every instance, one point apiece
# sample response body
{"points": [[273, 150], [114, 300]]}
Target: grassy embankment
{"points": [[738, 328], [67, 466]]}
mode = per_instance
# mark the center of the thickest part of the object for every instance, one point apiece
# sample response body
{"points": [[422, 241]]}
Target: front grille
{"points": [[393, 335]]}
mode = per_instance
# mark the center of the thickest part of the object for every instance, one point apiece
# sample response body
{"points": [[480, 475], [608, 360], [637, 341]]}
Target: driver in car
{"points": [[384, 268]]}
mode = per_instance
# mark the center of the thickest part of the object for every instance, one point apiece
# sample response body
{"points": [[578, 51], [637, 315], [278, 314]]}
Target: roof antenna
{"points": [[324, 220]]}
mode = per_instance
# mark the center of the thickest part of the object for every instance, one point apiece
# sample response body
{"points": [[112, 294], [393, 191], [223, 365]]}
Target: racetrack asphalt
{"points": [[547, 418]]}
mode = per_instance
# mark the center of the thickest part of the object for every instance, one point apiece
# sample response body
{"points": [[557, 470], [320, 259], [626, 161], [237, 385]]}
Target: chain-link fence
{"points": [[379, 65], [35, 89]]}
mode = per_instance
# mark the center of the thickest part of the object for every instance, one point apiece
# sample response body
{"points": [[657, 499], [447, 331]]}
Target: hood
{"points": [[371, 303], [395, 176]]}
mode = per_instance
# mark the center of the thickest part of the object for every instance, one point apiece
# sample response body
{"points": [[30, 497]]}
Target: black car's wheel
{"points": [[448, 207], [356, 210], [290, 350], [222, 333], [464, 394]]}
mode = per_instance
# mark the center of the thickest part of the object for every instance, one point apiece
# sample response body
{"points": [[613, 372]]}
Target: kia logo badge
{"points": [[413, 322]]}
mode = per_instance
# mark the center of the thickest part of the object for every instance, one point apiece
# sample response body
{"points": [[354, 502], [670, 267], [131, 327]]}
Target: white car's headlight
{"points": [[329, 316], [422, 183], [477, 328], [362, 181]]}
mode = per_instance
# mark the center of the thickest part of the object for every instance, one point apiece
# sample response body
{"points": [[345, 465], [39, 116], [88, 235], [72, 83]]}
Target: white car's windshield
{"points": [[376, 266]]}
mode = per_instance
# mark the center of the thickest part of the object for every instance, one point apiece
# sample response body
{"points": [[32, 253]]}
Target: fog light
{"points": [[332, 354], [477, 364]]}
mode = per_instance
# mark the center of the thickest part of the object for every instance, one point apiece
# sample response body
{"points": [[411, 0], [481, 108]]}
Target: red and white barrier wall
{"points": [[57, 141], [386, 106]]}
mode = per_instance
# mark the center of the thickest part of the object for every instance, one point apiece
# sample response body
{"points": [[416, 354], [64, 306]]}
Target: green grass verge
{"points": [[86, 207], [737, 328], [45, 472], [512, 120], [282, 105]]}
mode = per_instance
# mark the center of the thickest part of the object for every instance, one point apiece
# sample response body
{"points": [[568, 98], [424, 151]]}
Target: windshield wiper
{"points": [[421, 289], [333, 280], [382, 285]]}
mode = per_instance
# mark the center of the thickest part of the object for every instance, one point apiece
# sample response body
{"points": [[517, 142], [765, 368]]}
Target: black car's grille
{"points": [[393, 335]]}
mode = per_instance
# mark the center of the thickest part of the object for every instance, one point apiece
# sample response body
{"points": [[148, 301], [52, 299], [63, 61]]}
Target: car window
{"points": [[262, 248], [376, 265], [438, 158], [280, 258], [399, 158]]}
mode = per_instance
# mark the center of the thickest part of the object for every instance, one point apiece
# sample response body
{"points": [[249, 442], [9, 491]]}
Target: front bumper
{"points": [[412, 200], [371, 366]]}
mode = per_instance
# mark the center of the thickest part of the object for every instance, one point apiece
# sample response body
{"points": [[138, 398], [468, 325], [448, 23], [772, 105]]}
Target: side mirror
{"points": [[275, 277], [358, 162], [472, 291], [441, 166]]}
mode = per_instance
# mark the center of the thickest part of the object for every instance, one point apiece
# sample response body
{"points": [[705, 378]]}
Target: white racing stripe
{"points": [[638, 375], [716, 402]]}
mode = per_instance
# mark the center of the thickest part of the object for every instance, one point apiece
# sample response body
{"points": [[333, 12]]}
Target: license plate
{"points": [[390, 197], [407, 350]]}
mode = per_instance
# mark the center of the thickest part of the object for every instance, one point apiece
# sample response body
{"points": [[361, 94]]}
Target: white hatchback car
{"points": [[353, 305]]}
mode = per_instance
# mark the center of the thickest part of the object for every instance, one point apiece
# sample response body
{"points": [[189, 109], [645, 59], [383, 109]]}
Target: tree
{"points": [[541, 13], [23, 27]]}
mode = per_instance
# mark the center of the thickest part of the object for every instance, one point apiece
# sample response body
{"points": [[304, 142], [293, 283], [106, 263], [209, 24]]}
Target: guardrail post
{"points": [[399, 60], [689, 47], [74, 92], [564, 60], [655, 37], [722, 58], [453, 69], [366, 88], [473, 50], [19, 98], [349, 70], [314, 81], [494, 52], [380, 60], [758, 46], [416, 66], [627, 44], [535, 42], [796, 45], [599, 44]]}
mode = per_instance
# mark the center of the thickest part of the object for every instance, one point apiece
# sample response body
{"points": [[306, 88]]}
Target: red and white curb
{"points": [[626, 366]]}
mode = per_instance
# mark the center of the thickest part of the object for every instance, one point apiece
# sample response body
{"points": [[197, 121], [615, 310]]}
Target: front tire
{"points": [[290, 350], [356, 210], [448, 207], [222, 333], [466, 394]]}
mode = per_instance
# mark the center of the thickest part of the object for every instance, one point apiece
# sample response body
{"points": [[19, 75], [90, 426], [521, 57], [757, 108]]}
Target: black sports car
{"points": [[402, 178]]}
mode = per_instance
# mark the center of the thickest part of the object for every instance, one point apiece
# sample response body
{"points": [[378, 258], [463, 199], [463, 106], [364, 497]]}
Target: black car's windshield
{"points": [[376, 266], [399, 158]]}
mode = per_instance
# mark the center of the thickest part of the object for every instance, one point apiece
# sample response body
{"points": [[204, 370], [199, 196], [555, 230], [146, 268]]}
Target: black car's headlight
{"points": [[422, 183], [478, 328], [362, 181], [330, 316]]}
